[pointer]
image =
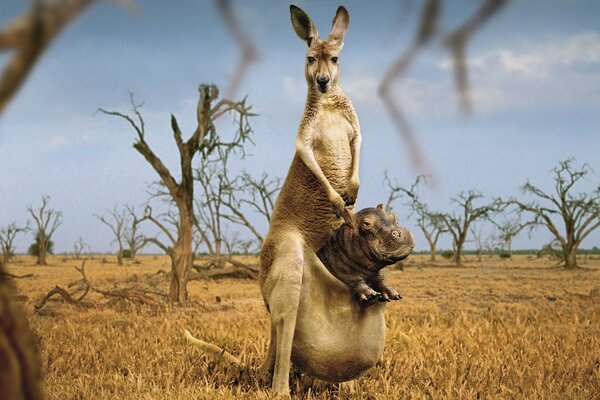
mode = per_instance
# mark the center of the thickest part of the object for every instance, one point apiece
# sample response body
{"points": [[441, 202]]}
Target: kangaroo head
{"points": [[322, 68]]}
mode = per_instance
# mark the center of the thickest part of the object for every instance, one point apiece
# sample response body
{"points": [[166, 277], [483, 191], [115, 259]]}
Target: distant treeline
{"points": [[593, 251]]}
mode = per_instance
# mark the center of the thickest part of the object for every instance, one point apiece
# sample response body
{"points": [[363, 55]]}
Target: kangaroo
{"points": [[336, 338], [322, 180]]}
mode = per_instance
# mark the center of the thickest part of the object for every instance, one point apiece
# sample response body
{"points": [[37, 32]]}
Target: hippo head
{"points": [[379, 237]]}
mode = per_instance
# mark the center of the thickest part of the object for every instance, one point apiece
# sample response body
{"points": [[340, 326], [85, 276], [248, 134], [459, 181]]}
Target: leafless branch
{"points": [[248, 51], [456, 42], [28, 36]]}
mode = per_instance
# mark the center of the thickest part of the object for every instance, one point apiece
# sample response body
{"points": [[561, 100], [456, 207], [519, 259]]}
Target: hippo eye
{"points": [[334, 60], [311, 60]]}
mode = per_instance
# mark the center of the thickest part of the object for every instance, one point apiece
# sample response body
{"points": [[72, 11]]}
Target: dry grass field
{"points": [[496, 329]]}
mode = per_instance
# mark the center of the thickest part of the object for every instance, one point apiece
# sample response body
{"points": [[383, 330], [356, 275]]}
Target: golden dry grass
{"points": [[496, 329]]}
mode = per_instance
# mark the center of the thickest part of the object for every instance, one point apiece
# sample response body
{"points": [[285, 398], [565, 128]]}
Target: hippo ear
{"points": [[381, 207], [348, 216]]}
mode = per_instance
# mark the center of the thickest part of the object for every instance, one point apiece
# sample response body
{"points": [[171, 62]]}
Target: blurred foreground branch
{"points": [[455, 42], [28, 36]]}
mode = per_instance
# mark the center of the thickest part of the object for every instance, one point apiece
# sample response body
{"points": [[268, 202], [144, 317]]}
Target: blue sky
{"points": [[534, 69]]}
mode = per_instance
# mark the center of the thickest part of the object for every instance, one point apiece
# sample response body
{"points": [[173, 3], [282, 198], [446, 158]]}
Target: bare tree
{"points": [[477, 234], [214, 185], [204, 141], [263, 193], [508, 230], [458, 225], [134, 240], [78, 247], [47, 221], [491, 243], [579, 213], [246, 192], [7, 239], [235, 243], [117, 222], [225, 199], [431, 223]]}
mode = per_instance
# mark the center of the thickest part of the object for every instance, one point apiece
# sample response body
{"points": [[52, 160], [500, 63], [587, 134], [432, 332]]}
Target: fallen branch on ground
{"points": [[237, 269], [132, 295], [4, 275]]}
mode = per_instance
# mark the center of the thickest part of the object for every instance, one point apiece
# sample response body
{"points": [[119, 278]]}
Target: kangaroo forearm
{"points": [[308, 158], [355, 157]]}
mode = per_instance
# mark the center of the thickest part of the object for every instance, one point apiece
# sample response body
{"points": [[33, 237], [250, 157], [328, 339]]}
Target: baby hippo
{"points": [[367, 242]]}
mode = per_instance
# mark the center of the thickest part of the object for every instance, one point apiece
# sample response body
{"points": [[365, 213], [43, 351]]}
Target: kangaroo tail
{"points": [[213, 350]]}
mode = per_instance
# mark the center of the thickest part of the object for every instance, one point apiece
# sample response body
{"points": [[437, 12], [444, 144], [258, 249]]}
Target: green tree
{"points": [[34, 248]]}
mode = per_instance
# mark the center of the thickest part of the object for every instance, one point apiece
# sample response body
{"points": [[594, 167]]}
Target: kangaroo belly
{"points": [[335, 340]]}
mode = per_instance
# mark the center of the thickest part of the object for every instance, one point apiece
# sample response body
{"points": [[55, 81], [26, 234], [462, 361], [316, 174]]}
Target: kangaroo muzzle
{"points": [[323, 83]]}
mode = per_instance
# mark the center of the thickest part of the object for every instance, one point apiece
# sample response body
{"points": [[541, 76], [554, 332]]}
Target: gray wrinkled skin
{"points": [[369, 241]]}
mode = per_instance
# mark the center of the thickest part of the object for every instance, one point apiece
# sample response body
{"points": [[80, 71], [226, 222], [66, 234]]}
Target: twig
{"points": [[4, 274]]}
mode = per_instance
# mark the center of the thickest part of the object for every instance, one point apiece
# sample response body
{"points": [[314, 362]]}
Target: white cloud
{"points": [[538, 60], [557, 73], [362, 90], [293, 86], [582, 48], [59, 141]]}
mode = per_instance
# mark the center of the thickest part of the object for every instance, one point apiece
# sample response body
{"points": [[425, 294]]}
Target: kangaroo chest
{"points": [[331, 144]]}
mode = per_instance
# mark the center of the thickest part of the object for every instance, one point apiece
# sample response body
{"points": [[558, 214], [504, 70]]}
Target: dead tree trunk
{"points": [[182, 256], [204, 141], [570, 257], [432, 247]]}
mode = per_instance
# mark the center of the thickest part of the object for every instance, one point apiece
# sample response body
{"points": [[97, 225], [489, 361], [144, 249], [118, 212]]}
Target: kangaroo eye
{"points": [[311, 60], [334, 60]]}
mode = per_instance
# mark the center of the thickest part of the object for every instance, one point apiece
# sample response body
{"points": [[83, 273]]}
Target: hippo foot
{"points": [[368, 297], [389, 294]]}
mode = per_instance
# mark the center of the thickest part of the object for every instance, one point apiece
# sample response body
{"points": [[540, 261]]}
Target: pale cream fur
{"points": [[315, 322]]}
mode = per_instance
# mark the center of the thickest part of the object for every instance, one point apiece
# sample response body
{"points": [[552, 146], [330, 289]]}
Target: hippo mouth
{"points": [[398, 255]]}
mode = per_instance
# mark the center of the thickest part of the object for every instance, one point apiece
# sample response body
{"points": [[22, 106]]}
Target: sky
{"points": [[534, 72]]}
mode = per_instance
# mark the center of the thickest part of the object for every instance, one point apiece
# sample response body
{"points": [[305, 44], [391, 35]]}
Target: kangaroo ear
{"points": [[348, 216], [381, 207], [304, 27], [341, 21]]}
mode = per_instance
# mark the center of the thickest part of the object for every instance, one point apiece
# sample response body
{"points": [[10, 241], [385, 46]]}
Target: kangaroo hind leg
{"points": [[282, 292]]}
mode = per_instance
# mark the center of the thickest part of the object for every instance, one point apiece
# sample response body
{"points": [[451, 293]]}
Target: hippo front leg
{"points": [[387, 293], [361, 291], [365, 294]]}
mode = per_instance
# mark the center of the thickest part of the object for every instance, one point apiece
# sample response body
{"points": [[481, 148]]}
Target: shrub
{"points": [[127, 253], [447, 254], [504, 255], [34, 249]]}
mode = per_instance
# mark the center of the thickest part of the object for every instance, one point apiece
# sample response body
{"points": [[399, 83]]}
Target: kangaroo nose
{"points": [[322, 80]]}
